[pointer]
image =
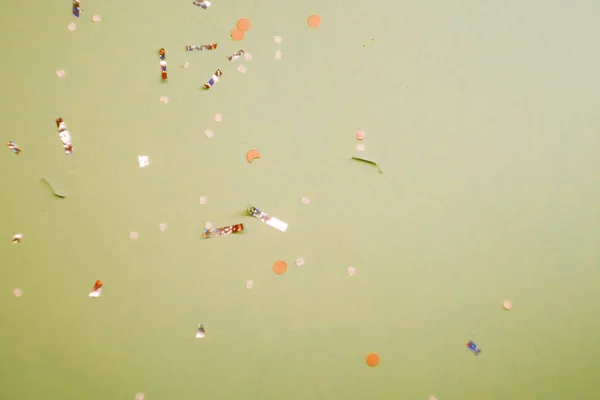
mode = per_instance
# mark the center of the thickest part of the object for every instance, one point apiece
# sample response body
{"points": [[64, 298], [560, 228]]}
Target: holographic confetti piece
{"points": [[76, 8], [360, 135], [248, 56], [202, 4], [214, 79], [249, 284], [201, 47], [97, 290], [299, 262], [208, 225], [17, 292], [14, 147], [278, 55], [277, 39], [163, 64], [139, 396], [64, 135], [162, 227], [201, 332], [60, 73], [96, 19], [271, 221], [473, 347], [218, 118], [360, 147], [235, 56], [72, 26], [186, 64], [209, 134], [226, 230], [133, 235], [202, 200], [305, 201], [368, 162], [241, 69], [351, 271], [17, 238], [143, 161]]}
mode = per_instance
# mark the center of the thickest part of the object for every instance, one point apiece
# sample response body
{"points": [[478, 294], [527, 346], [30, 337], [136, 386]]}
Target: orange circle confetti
{"points": [[280, 267], [314, 21], [251, 155], [244, 24], [237, 34], [372, 360]]}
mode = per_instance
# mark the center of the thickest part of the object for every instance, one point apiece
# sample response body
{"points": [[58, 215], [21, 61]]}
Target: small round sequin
{"points": [[218, 117], [243, 24], [60, 73], [280, 267], [299, 261], [278, 55], [72, 26], [241, 69], [314, 21], [507, 305], [96, 18], [360, 135], [208, 133], [17, 292], [248, 56], [360, 147], [351, 271], [277, 39], [164, 99], [162, 227], [202, 200], [133, 235], [237, 35]]}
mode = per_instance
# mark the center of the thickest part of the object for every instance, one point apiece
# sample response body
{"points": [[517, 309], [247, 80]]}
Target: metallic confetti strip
{"points": [[227, 230], [163, 64], [14, 147], [97, 290], [201, 332], [214, 79], [235, 56], [473, 347], [65, 136], [76, 8], [202, 4], [264, 217], [203, 47]]}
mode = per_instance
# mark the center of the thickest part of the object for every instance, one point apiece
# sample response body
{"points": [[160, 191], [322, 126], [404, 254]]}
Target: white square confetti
{"points": [[299, 262], [143, 161], [249, 284]]}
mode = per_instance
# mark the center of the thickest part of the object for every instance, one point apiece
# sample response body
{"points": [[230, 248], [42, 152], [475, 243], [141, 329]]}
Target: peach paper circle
{"points": [[237, 34], [372, 360], [314, 21], [244, 24], [251, 155], [279, 267]]}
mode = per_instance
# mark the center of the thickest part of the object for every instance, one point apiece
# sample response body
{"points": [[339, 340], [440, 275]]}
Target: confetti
{"points": [[17, 292], [17, 238], [201, 332], [143, 161], [76, 8], [133, 235], [243, 24], [214, 79], [432, 398], [163, 64], [97, 290], [164, 99], [278, 55], [203, 200], [248, 56], [351, 271], [186, 64], [236, 55], [360, 135], [251, 155], [249, 284], [507, 305], [12, 146], [264, 217], [314, 21], [139, 396], [208, 225], [305, 201], [360, 147], [60, 73], [369, 162], [162, 227], [241, 69], [71, 27], [279, 267], [299, 262], [277, 39], [218, 117], [208, 133], [237, 35], [96, 18], [202, 4], [227, 230], [64, 135], [372, 360], [202, 47], [473, 347]]}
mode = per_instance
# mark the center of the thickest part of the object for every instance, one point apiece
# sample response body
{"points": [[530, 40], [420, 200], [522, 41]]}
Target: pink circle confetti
{"points": [[507, 305], [277, 39], [186, 64], [208, 133], [218, 118], [360, 147], [162, 227], [432, 398], [203, 200], [248, 56], [133, 235], [305, 201], [139, 396], [17, 292], [351, 271], [96, 18], [278, 55], [71, 27], [249, 284], [360, 135], [164, 99], [60, 73], [241, 69]]}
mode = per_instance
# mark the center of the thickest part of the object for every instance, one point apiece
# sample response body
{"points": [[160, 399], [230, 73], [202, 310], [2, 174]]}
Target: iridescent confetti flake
{"points": [[164, 99], [507, 305], [351, 271], [72, 26], [133, 235], [162, 227], [432, 398], [208, 225], [203, 200], [360, 147], [241, 69], [278, 55], [277, 39], [305, 201], [17, 292], [17, 238], [60, 73], [96, 18], [143, 161], [186, 64], [218, 117], [249, 284], [299, 261], [139, 396], [360, 135], [208, 133], [248, 56]]}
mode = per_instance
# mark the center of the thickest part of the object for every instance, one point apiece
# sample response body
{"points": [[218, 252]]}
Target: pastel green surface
{"points": [[483, 116]]}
